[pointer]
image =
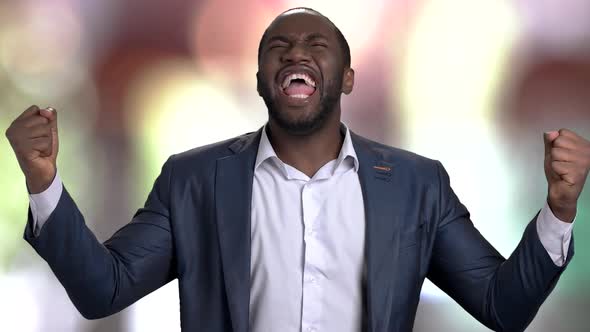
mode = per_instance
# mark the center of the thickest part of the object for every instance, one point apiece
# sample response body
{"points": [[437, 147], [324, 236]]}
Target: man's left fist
{"points": [[567, 162]]}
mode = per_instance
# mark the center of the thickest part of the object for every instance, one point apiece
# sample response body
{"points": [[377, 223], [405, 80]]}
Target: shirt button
{"points": [[311, 280], [311, 329]]}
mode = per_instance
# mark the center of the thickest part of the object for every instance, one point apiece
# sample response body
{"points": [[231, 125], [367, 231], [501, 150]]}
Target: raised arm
{"points": [[100, 279], [505, 294]]}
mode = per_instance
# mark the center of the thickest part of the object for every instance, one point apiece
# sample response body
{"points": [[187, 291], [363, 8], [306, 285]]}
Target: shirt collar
{"points": [[266, 151], [347, 150]]}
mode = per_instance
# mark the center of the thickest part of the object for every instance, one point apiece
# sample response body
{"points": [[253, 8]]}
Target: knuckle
{"points": [[560, 141], [18, 149]]}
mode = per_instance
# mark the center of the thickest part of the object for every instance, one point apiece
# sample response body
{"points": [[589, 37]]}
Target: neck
{"points": [[308, 153]]}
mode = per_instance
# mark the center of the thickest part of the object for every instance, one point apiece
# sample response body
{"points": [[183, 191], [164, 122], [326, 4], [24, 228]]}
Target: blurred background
{"points": [[471, 83]]}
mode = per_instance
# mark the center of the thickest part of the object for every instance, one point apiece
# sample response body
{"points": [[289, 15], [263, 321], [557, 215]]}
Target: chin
{"points": [[299, 124]]}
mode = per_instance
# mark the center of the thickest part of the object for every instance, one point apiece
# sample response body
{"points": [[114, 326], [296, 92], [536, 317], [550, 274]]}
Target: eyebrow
{"points": [[315, 35], [277, 38], [311, 36]]}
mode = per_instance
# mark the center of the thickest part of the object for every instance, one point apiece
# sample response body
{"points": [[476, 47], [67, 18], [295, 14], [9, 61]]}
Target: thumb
{"points": [[51, 114], [548, 138]]}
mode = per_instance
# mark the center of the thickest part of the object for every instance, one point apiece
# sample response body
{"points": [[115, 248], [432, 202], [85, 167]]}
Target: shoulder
{"points": [[205, 157], [403, 160]]}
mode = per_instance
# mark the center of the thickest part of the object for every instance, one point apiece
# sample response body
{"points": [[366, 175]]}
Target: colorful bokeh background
{"points": [[471, 83]]}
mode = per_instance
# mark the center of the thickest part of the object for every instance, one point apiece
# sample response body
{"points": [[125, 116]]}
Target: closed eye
{"points": [[277, 45]]}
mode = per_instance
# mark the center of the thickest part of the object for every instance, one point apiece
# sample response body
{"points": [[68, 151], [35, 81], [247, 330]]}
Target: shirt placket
{"points": [[313, 260]]}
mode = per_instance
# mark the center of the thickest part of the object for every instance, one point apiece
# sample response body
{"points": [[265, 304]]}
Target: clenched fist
{"points": [[567, 162], [33, 137]]}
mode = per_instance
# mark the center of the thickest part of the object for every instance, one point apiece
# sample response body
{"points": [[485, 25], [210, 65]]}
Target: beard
{"points": [[301, 127]]}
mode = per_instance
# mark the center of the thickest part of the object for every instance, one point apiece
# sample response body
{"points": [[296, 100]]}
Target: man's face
{"points": [[301, 72]]}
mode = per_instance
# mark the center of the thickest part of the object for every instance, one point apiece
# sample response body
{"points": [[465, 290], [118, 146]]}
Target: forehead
{"points": [[299, 24]]}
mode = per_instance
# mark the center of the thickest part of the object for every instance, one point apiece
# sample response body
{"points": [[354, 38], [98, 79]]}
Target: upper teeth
{"points": [[301, 76]]}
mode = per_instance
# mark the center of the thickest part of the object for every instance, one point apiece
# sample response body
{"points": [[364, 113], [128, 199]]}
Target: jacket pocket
{"points": [[411, 237]]}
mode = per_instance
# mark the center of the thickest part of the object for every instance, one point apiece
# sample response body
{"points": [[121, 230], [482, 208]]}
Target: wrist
{"points": [[38, 184], [563, 212]]}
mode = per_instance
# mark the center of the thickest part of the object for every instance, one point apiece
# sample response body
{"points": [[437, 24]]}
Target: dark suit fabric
{"points": [[195, 226]]}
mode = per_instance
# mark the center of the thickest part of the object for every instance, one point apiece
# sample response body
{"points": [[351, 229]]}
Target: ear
{"points": [[258, 82], [348, 81]]}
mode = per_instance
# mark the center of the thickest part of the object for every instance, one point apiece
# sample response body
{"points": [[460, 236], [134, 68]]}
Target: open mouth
{"points": [[298, 85]]}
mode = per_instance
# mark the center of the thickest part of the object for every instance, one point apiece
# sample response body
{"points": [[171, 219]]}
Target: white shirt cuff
{"points": [[555, 235], [43, 203]]}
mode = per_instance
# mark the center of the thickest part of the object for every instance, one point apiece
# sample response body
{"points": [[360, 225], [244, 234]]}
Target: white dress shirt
{"points": [[308, 238], [304, 276]]}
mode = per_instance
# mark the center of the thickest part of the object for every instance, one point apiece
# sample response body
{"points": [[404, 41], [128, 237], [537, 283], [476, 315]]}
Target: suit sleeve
{"points": [[503, 294], [102, 279]]}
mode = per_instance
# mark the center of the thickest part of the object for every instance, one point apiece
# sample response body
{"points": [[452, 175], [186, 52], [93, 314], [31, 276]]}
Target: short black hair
{"points": [[341, 39]]}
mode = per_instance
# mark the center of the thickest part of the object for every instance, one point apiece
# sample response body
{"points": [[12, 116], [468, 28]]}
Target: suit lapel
{"points": [[383, 201], [233, 196], [382, 195]]}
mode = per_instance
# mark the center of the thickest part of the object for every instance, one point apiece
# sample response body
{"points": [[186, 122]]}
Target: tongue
{"points": [[296, 88]]}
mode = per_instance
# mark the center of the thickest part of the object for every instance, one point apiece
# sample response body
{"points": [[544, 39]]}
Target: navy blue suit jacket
{"points": [[195, 226]]}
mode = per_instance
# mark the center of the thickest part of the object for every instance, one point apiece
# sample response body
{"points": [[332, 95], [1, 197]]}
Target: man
{"points": [[302, 225]]}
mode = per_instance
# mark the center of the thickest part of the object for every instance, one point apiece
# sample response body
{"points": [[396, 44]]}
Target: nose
{"points": [[296, 54]]}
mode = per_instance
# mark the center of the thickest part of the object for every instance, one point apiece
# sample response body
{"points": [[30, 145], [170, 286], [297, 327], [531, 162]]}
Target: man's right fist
{"points": [[33, 137]]}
